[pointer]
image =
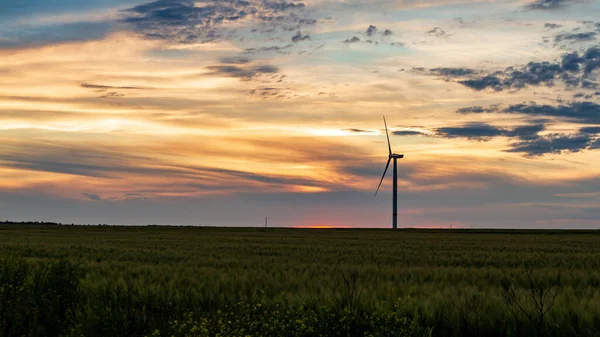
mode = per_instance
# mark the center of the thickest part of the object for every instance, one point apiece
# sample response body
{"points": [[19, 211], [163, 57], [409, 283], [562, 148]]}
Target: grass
{"points": [[205, 281]]}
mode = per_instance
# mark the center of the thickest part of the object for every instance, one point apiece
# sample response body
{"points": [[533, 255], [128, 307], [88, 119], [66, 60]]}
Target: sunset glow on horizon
{"points": [[223, 112]]}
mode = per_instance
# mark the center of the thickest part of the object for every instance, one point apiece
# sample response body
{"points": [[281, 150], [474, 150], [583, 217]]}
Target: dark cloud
{"points": [[244, 72], [235, 60], [273, 92], [92, 196], [476, 131], [489, 81], [571, 62], [374, 36], [356, 130], [277, 49], [452, 72], [581, 112], [551, 25], [548, 4], [409, 133], [184, 22], [299, 37], [476, 109], [526, 132], [553, 143], [587, 84], [575, 37], [371, 30], [574, 69], [590, 130], [134, 196], [354, 39], [107, 87], [524, 139], [437, 32], [112, 94], [531, 143]]}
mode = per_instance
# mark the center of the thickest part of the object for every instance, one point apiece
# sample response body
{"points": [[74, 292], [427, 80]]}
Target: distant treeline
{"points": [[46, 223]]}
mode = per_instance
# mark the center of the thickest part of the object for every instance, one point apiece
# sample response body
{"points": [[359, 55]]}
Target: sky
{"points": [[224, 112]]}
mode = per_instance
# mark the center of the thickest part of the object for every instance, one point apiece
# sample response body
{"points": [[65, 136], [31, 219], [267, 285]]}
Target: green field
{"points": [[182, 281]]}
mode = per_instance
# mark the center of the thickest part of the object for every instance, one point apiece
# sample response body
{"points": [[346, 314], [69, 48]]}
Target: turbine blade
{"points": [[383, 176], [387, 135]]}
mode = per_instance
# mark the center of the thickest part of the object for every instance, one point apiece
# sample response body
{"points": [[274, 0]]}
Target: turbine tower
{"points": [[391, 156]]}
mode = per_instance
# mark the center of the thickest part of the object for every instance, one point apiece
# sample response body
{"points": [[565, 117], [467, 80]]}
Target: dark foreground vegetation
{"points": [[158, 281]]}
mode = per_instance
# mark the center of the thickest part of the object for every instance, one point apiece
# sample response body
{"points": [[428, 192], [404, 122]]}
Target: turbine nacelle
{"points": [[395, 155]]}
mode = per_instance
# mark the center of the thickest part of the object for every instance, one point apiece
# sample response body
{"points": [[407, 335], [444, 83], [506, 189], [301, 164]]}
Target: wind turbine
{"points": [[391, 156]]}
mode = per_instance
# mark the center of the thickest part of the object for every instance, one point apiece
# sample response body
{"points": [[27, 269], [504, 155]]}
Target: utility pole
{"points": [[265, 222]]}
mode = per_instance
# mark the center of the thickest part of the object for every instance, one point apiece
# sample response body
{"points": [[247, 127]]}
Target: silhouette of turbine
{"points": [[391, 156]]}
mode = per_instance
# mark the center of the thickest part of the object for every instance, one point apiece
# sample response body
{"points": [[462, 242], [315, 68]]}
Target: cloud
{"points": [[277, 49], [530, 142], [575, 37], [409, 133], [183, 21], [552, 25], [299, 37], [357, 130], [476, 109], [243, 72], [273, 92], [489, 81], [371, 30], [112, 94], [115, 164], [106, 87], [547, 4], [373, 35], [526, 132], [91, 196], [524, 139], [477, 131], [553, 143], [438, 32], [452, 72], [484, 131], [573, 69], [235, 60], [590, 130], [354, 39], [581, 112], [471, 131]]}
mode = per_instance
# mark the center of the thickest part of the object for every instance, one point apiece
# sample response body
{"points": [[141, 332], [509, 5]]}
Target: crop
{"points": [[184, 281]]}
